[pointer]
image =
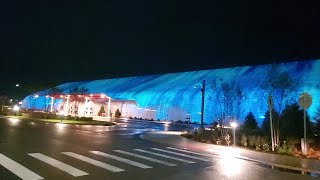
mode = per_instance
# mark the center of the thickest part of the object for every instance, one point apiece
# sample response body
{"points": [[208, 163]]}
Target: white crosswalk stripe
{"points": [[191, 152], [60, 165], [145, 158], [18, 169], [93, 162], [133, 163], [180, 154], [165, 156]]}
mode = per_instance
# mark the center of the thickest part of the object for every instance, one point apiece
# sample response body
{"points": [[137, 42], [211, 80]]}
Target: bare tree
{"points": [[280, 86]]}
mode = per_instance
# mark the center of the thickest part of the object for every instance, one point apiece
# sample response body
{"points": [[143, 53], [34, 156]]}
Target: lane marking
{"points": [[191, 152], [58, 164], [146, 158], [165, 156], [18, 169], [93, 162], [180, 154], [133, 163]]}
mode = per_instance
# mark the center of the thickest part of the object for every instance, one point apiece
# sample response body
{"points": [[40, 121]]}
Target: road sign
{"points": [[305, 100]]}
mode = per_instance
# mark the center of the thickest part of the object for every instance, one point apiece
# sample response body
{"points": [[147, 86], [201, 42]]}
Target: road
{"points": [[54, 151]]}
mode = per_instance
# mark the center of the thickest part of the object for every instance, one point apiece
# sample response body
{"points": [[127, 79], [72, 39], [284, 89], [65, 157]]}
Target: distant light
{"points": [[11, 100], [47, 96], [20, 102], [36, 96], [103, 96], [262, 117], [147, 109], [234, 125], [17, 85], [61, 96], [16, 108], [91, 95]]}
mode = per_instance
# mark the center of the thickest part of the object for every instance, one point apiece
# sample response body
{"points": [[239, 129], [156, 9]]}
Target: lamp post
{"points": [[203, 88], [234, 125]]}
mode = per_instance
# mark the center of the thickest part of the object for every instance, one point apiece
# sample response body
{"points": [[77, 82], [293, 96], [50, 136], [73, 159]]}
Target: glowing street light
{"points": [[17, 85], [36, 96], [234, 126], [16, 108]]}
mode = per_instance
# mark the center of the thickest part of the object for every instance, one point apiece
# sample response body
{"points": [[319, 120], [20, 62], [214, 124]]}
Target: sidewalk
{"points": [[174, 139]]}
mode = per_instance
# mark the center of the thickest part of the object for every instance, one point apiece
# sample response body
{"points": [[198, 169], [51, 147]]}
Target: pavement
{"points": [[275, 160], [29, 150]]}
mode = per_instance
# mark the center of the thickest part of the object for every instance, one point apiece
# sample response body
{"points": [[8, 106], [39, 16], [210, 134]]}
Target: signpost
{"points": [[305, 102]]}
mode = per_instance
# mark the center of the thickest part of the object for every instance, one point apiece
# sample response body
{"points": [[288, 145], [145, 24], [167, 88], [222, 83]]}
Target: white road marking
{"points": [[58, 164], [146, 158], [93, 162], [165, 156], [180, 154], [133, 163], [191, 152], [18, 169]]}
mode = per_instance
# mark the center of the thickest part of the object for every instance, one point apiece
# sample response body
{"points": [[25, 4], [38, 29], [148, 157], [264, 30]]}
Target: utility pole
{"points": [[203, 88]]}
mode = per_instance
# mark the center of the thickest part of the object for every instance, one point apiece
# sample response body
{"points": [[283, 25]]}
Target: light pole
{"points": [[234, 126], [203, 89]]}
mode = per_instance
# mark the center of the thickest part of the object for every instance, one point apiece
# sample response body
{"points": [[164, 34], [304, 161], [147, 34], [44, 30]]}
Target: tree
{"points": [[117, 114], [101, 111], [280, 86], [265, 127], [292, 122], [250, 124]]}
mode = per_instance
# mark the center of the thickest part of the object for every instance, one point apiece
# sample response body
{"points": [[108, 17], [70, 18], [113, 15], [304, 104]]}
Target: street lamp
{"points": [[234, 126], [16, 108], [203, 88]]}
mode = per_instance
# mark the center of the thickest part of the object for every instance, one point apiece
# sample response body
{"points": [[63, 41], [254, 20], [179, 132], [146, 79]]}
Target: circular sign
{"points": [[305, 100]]}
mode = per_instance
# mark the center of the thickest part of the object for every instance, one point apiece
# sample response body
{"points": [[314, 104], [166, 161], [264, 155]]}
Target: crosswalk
{"points": [[137, 158]]}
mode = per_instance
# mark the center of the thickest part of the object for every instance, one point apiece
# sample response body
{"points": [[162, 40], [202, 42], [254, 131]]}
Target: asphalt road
{"points": [[46, 151]]}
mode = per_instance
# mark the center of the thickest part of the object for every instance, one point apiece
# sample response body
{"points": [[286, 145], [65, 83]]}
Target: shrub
{"points": [[244, 140], [284, 149], [258, 143], [252, 141], [266, 147], [85, 119]]}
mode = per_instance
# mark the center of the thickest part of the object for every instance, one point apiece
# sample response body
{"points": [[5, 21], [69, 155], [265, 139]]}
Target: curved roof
{"points": [[165, 92]]}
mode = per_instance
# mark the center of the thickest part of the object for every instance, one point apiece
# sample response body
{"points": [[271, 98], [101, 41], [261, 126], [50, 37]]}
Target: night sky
{"points": [[44, 43]]}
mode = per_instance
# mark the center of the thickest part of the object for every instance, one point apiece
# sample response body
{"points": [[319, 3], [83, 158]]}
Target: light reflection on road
{"points": [[14, 121], [229, 163]]}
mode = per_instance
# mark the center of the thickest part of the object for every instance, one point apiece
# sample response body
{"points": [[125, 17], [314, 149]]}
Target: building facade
{"points": [[230, 92]]}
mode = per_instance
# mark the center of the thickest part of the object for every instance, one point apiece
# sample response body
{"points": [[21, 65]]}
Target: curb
{"points": [[302, 170]]}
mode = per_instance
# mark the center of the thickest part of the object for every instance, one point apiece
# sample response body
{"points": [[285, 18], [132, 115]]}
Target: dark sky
{"points": [[61, 41]]}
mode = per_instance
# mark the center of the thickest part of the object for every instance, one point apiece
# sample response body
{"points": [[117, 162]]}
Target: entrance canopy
{"points": [[81, 96]]}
